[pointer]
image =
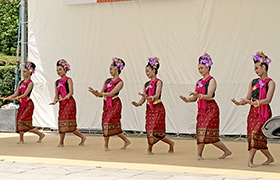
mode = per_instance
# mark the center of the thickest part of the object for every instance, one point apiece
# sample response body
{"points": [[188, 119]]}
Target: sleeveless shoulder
{"points": [[56, 82], [255, 81], [108, 80], [147, 84]]}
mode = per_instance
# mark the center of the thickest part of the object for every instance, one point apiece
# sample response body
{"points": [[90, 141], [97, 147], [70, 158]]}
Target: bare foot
{"points": [[150, 153], [40, 138], [83, 141], [268, 161], [251, 164], [106, 148], [171, 148], [228, 153], [60, 145], [199, 158], [126, 144], [20, 142]]}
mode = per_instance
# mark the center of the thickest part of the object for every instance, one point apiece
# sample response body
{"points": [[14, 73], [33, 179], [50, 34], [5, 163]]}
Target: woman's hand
{"points": [[135, 104], [54, 102], [4, 99], [242, 102], [184, 98], [235, 102], [95, 92], [247, 101]]}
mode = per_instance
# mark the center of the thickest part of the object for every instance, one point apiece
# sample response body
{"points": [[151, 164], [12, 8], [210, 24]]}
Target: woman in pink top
{"points": [[26, 106], [112, 108]]}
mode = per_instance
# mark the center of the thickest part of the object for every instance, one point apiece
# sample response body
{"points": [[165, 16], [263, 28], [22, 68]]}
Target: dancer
{"points": [[155, 112], [111, 124], [259, 96], [207, 127], [26, 106], [67, 105]]}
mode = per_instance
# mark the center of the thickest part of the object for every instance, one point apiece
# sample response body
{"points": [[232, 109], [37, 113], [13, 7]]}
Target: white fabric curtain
{"points": [[177, 31]]}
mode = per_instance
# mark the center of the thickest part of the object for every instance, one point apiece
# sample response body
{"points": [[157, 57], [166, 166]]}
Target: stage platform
{"points": [[135, 159]]}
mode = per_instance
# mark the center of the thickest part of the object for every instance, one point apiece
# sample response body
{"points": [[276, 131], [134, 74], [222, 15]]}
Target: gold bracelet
{"points": [[258, 103], [188, 100], [153, 98], [200, 96]]}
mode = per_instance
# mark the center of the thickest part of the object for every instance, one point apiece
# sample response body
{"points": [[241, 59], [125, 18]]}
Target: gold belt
{"points": [[155, 102], [114, 97]]}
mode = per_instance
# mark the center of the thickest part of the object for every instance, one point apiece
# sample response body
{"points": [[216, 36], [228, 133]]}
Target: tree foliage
{"points": [[7, 81], [9, 13]]}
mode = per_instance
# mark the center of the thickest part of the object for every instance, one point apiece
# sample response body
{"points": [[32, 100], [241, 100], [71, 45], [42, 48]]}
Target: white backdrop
{"points": [[177, 31]]}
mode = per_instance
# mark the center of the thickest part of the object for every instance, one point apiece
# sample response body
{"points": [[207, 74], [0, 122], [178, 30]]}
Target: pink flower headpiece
{"points": [[261, 57], [205, 59], [153, 61], [28, 66], [64, 64], [118, 62]]}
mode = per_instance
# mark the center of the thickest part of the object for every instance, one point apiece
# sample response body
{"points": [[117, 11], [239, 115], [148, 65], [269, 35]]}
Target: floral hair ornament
{"points": [[205, 59], [153, 61], [261, 57], [28, 66], [64, 64], [117, 62]]}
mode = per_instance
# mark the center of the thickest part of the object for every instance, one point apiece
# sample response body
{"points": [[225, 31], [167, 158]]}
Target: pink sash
{"points": [[200, 89], [22, 89], [151, 91], [263, 108], [62, 89], [109, 87]]}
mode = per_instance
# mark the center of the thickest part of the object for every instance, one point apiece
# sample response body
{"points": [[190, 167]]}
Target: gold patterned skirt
{"points": [[24, 117], [255, 137], [207, 127], [155, 123], [67, 116], [111, 119]]}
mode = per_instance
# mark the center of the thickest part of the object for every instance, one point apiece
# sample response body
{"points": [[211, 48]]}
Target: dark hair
{"points": [[32, 65], [156, 68], [114, 64], [63, 63], [203, 63], [262, 63], [58, 64]]}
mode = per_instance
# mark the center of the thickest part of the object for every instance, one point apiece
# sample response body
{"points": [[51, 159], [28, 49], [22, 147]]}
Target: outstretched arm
{"points": [[158, 91], [245, 101], [269, 95], [11, 97], [28, 89], [116, 89], [211, 88], [71, 90], [142, 100], [95, 92]]}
